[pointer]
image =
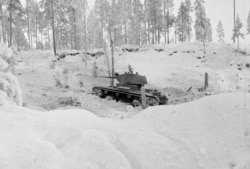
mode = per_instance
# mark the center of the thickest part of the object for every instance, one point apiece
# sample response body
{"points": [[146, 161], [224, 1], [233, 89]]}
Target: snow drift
{"points": [[213, 132], [10, 92]]}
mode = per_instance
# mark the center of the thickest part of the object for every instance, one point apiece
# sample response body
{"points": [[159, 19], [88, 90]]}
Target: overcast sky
{"points": [[223, 10], [218, 10]]}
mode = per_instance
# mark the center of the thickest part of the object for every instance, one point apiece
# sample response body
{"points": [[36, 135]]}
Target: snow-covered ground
{"points": [[213, 132], [196, 130], [173, 69]]}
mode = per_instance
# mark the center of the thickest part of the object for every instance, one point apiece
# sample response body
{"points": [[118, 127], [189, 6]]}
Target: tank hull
{"points": [[130, 97]]}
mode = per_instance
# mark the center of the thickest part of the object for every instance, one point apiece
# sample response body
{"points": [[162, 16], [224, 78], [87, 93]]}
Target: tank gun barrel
{"points": [[108, 77]]}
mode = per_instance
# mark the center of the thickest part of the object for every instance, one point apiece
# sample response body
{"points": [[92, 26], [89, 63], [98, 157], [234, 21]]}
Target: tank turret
{"points": [[130, 81]]}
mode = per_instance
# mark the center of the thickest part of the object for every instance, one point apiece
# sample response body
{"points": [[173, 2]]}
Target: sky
{"points": [[223, 10], [218, 10]]}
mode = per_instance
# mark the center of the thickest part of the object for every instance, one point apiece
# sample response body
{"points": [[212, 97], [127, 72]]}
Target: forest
{"points": [[73, 24], [124, 84]]}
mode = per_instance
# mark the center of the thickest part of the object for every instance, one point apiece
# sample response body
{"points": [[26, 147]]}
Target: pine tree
{"points": [[167, 18], [155, 19], [209, 31], [11, 12], [94, 31], [53, 25], [189, 9], [28, 22], [15, 11], [181, 22], [19, 37], [234, 20], [184, 22], [220, 32], [50, 7], [200, 22], [248, 23], [2, 21], [237, 30]]}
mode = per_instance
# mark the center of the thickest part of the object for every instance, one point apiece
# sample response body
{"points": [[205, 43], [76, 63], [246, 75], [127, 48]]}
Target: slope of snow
{"points": [[215, 127], [172, 69], [184, 65], [213, 132]]}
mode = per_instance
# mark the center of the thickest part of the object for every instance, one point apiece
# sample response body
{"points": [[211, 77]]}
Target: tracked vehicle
{"points": [[129, 90]]}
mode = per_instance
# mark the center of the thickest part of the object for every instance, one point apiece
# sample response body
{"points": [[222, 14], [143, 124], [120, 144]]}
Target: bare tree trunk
{"points": [[71, 40], [145, 34], [112, 44], [53, 27], [10, 20], [49, 41], [147, 24], [188, 28], [66, 39], [31, 38], [2, 23], [234, 21], [168, 23], [159, 36], [85, 33], [204, 46], [42, 39], [182, 29], [112, 56], [28, 22], [104, 44], [154, 29], [164, 19], [238, 43], [75, 36], [175, 35], [125, 32], [36, 27]]}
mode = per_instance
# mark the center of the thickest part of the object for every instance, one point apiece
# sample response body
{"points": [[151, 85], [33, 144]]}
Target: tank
{"points": [[129, 90]]}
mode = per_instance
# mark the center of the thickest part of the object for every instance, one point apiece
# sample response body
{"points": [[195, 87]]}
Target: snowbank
{"points": [[215, 128], [10, 92], [213, 132]]}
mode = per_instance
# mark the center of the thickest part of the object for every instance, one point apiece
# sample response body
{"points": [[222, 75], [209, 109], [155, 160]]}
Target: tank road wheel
{"points": [[122, 100], [152, 102], [97, 92], [136, 103], [109, 98]]}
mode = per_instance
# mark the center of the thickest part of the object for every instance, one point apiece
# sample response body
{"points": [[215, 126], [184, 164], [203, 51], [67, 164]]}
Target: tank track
{"points": [[130, 97]]}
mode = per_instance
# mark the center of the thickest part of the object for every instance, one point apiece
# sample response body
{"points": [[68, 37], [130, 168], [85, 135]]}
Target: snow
{"points": [[10, 91], [215, 127], [212, 132], [172, 69], [66, 127]]}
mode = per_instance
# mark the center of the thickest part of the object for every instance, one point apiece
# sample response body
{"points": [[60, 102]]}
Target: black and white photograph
{"points": [[124, 84]]}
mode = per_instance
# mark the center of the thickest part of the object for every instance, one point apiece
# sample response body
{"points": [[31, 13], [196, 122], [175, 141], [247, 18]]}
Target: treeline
{"points": [[71, 24], [150, 22], [36, 24]]}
